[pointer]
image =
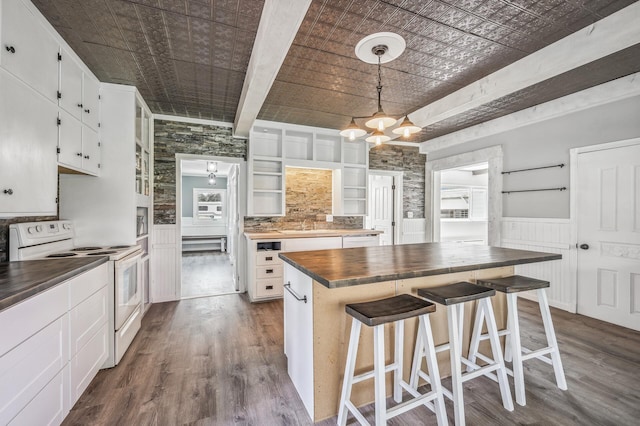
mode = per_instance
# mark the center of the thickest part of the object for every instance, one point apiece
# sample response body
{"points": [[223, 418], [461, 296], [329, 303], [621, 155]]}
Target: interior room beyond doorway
{"points": [[209, 209]]}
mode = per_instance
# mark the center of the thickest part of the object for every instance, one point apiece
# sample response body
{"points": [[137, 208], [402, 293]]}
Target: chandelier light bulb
{"points": [[353, 131], [406, 128], [212, 179], [378, 137]]}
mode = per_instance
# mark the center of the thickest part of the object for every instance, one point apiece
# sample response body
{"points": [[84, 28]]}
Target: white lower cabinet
{"points": [[298, 334], [52, 346]]}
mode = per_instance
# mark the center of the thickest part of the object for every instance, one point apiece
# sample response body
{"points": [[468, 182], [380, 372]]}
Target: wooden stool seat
{"points": [[376, 314], [389, 310], [513, 349], [513, 284], [452, 294]]}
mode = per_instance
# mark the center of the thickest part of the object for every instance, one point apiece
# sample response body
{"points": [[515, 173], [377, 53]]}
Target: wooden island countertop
{"points": [[365, 265], [320, 283]]}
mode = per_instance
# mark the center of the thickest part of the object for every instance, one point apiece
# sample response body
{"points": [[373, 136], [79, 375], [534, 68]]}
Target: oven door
{"points": [[128, 293]]}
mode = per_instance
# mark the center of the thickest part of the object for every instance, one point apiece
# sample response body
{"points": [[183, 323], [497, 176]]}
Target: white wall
{"points": [[547, 143]]}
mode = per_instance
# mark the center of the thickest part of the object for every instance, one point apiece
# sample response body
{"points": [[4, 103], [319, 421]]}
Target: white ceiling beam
{"points": [[278, 27], [612, 91], [609, 35]]}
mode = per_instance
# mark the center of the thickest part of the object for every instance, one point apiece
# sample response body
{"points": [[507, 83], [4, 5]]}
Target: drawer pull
{"points": [[269, 287], [269, 271], [268, 258], [293, 293]]}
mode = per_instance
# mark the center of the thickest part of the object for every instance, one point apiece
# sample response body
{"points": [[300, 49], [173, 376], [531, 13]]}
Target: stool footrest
{"points": [[356, 413], [480, 371], [539, 353], [369, 374], [412, 403]]}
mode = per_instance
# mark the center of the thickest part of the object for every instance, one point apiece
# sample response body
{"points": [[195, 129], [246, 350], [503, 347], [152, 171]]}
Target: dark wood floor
{"points": [[219, 361]]}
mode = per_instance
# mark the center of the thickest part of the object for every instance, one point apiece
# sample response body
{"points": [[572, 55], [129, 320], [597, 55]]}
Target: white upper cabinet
{"points": [[28, 51], [70, 141], [28, 138], [70, 85], [90, 101]]}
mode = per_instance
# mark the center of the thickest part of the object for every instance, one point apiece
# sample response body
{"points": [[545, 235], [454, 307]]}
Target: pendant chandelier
{"points": [[379, 48]]}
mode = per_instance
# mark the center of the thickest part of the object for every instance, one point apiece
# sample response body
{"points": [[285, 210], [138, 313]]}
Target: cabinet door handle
{"points": [[87, 157], [88, 111], [10, 49], [8, 191], [79, 154], [79, 105], [269, 287], [268, 258], [269, 271]]}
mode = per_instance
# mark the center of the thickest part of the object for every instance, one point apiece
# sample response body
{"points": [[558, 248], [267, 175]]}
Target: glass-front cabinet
{"points": [[142, 151]]}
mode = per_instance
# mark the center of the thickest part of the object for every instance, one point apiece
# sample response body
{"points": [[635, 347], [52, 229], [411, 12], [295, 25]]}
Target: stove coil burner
{"points": [[62, 255], [101, 253], [86, 248], [119, 247]]}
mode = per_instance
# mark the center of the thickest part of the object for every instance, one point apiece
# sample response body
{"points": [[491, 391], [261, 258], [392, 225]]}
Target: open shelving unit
{"points": [[274, 146]]}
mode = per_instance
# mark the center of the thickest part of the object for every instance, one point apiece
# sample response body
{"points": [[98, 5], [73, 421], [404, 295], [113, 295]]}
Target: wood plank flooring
{"points": [[206, 273], [219, 361]]}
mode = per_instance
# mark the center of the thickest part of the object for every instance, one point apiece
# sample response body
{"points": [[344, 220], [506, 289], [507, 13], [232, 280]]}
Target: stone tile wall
{"points": [[308, 202], [173, 138], [409, 160]]}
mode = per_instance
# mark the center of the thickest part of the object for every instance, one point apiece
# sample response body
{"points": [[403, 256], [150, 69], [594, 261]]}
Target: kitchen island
{"points": [[320, 283]]}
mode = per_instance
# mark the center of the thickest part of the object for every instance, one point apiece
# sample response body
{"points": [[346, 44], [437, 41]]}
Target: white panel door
{"points": [[381, 210], [70, 141], [608, 213], [70, 85]]}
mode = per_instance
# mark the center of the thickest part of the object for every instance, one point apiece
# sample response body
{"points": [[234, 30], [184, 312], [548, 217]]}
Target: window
{"points": [[209, 204]]}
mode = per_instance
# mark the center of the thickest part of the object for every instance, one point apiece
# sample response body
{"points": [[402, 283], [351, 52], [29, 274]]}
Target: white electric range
{"points": [[54, 240]]}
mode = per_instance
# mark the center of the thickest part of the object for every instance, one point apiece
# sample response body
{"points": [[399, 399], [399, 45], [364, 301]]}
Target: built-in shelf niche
{"points": [[355, 152], [266, 142], [298, 145], [328, 148]]}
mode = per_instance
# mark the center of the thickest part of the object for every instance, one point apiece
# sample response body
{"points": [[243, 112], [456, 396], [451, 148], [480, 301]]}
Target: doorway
{"points": [[385, 205], [463, 204], [208, 227], [607, 201]]}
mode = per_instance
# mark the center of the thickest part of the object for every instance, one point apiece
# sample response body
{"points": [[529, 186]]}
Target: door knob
{"points": [[584, 246]]}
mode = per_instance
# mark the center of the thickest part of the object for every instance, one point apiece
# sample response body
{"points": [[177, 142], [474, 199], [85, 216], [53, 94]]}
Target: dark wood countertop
{"points": [[22, 279], [363, 265]]}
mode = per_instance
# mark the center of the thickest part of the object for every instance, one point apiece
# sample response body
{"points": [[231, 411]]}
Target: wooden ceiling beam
{"points": [[605, 37], [278, 27]]}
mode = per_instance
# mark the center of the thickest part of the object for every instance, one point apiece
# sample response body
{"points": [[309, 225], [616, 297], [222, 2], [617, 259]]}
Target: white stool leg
{"points": [[378, 374], [475, 336], [350, 365], [398, 354], [424, 324], [515, 347], [501, 372], [508, 357], [416, 364], [453, 317], [551, 339]]}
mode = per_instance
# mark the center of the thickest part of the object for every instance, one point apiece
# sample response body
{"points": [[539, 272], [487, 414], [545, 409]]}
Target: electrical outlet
{"points": [[329, 218]]}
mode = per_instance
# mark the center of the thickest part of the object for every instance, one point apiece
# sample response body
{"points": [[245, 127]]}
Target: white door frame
{"points": [[242, 212], [573, 205], [491, 155], [398, 211]]}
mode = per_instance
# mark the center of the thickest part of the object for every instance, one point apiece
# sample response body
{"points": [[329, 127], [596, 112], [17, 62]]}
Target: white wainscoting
{"points": [[413, 231], [165, 269], [547, 235]]}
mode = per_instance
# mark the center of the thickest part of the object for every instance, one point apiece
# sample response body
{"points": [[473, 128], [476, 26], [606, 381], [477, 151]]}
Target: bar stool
{"points": [[376, 314], [511, 286], [453, 296]]}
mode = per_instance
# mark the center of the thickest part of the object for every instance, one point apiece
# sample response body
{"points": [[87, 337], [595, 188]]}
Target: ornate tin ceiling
{"points": [[189, 57]]}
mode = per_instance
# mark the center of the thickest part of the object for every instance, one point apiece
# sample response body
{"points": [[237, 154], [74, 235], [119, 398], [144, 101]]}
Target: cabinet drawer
{"points": [[86, 319], [269, 271], [26, 370], [268, 258], [270, 287], [87, 283], [49, 407], [85, 365]]}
